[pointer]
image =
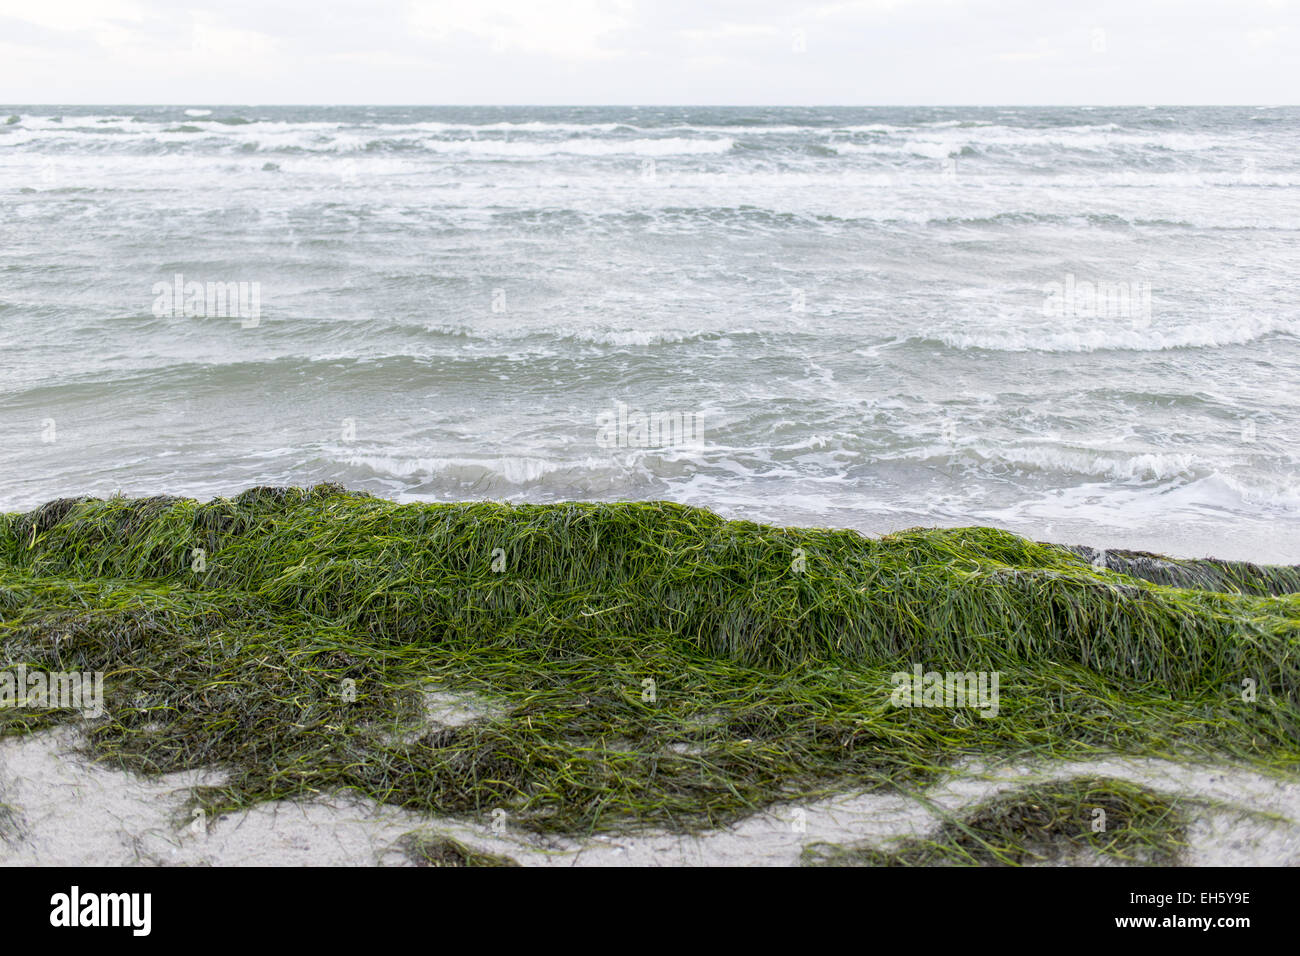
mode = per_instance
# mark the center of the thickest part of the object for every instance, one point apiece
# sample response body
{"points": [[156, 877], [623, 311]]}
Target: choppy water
{"points": [[857, 304]]}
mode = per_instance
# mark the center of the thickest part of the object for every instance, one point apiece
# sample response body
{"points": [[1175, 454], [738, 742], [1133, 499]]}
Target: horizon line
{"points": [[1134, 105]]}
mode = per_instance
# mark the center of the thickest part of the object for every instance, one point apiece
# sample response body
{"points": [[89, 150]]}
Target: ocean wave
{"points": [[513, 474], [671, 146], [1111, 466], [298, 141], [1224, 492], [534, 126], [1112, 334], [513, 469], [594, 336], [913, 147], [1095, 139]]}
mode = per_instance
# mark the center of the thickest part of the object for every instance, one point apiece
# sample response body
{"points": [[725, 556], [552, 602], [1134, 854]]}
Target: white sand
{"points": [[68, 811]]}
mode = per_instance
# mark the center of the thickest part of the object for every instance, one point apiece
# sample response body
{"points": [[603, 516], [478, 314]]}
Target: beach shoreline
{"points": [[343, 679]]}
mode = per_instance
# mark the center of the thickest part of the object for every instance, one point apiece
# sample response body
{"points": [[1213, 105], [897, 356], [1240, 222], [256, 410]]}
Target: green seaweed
{"points": [[1057, 821], [437, 849], [650, 664]]}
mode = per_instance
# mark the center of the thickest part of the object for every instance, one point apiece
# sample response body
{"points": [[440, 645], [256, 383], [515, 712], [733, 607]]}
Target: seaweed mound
{"points": [[651, 663]]}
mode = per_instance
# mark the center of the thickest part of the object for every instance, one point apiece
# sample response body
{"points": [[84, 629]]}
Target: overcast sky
{"points": [[650, 51]]}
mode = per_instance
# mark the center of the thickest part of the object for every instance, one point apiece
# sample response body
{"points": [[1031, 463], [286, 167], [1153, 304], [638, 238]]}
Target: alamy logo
{"points": [[103, 909], [622, 428], [214, 300], [977, 690], [1097, 300], [60, 690]]}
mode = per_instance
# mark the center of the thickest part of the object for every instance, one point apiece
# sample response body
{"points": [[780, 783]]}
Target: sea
{"points": [[1078, 324]]}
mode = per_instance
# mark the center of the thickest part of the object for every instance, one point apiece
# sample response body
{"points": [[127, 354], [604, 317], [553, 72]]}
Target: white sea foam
{"points": [[669, 146], [1091, 464], [1122, 335]]}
